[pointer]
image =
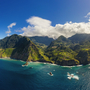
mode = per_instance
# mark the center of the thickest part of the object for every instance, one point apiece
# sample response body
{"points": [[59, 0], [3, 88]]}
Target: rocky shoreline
{"points": [[64, 63]]}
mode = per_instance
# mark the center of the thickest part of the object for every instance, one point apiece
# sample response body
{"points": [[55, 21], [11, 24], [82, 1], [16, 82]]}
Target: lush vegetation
{"points": [[19, 47], [60, 41], [10, 42], [61, 55], [63, 51], [6, 52], [70, 51]]}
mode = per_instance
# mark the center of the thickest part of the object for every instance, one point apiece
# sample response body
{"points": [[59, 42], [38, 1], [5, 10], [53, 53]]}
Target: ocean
{"points": [[36, 76]]}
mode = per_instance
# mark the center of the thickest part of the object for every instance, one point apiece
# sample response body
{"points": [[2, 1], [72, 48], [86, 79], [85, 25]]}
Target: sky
{"points": [[50, 18]]}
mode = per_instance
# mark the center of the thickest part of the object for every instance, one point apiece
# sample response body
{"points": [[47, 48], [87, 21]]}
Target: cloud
{"points": [[11, 25], [42, 27], [37, 21], [70, 22], [70, 29], [89, 19], [9, 28], [18, 30], [38, 27], [88, 14]]}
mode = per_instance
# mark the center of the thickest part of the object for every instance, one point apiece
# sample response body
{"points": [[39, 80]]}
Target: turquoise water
{"points": [[35, 76]]}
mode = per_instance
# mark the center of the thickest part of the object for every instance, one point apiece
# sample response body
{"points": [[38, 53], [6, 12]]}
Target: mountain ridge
{"points": [[61, 51], [21, 48], [77, 38]]}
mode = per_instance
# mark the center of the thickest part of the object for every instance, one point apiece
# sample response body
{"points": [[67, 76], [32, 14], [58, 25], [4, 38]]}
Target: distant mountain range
{"points": [[77, 38], [41, 40], [44, 40], [74, 50]]}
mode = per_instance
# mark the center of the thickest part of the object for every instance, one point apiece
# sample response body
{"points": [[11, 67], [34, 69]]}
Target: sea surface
{"points": [[36, 76]]}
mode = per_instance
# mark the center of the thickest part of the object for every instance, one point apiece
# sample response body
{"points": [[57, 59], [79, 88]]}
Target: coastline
{"points": [[27, 62]]}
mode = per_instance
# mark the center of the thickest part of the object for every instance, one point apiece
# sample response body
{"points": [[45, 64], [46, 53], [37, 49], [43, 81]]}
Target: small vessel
{"points": [[50, 73]]}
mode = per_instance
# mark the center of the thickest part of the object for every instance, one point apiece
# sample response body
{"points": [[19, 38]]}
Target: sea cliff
{"points": [[61, 51]]}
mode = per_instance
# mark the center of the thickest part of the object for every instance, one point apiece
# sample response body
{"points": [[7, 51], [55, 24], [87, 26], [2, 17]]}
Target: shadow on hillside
{"points": [[21, 50]]}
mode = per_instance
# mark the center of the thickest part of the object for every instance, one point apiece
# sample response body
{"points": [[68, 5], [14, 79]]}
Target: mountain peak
{"points": [[62, 38]]}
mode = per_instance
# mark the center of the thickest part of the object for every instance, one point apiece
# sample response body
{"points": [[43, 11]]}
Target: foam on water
{"points": [[68, 66], [36, 76], [79, 65], [21, 60], [76, 77], [44, 63], [53, 64], [72, 76], [69, 77], [24, 65]]}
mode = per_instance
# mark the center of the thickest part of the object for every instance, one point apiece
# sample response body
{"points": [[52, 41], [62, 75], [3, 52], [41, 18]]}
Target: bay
{"points": [[36, 76]]}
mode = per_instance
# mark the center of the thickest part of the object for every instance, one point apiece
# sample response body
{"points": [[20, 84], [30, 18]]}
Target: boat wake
{"points": [[24, 65], [72, 76]]}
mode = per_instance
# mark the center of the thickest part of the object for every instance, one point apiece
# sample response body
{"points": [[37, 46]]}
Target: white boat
{"points": [[50, 74]]}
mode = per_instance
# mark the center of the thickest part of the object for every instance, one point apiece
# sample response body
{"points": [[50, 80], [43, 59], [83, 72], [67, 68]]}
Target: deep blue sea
{"points": [[36, 76]]}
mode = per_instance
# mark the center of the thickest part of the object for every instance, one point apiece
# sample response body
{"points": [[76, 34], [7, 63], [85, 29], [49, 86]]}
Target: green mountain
{"points": [[73, 51], [21, 48], [60, 41], [62, 51], [10, 42], [77, 38], [80, 41], [62, 55], [83, 56]]}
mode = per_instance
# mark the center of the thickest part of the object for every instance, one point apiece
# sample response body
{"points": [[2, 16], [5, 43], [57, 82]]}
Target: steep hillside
{"points": [[10, 42], [84, 56], [19, 47], [77, 38], [61, 51], [60, 41], [62, 55], [83, 45]]}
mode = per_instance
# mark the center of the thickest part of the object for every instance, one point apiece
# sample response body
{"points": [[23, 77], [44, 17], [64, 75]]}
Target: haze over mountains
{"points": [[77, 38], [41, 39], [74, 50]]}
